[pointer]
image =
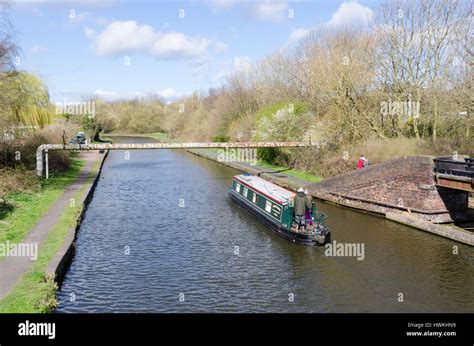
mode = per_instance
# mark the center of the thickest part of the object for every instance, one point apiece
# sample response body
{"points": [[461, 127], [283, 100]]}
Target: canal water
{"points": [[161, 235]]}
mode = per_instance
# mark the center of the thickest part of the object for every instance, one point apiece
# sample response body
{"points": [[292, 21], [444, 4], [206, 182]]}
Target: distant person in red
{"points": [[361, 162]]}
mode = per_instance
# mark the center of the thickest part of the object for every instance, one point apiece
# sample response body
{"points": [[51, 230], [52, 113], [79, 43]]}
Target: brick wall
{"points": [[406, 182]]}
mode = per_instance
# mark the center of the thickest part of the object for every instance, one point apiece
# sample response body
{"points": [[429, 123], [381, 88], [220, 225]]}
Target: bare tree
{"points": [[416, 44]]}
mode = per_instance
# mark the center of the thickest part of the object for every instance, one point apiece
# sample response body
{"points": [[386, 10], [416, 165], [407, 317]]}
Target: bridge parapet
{"points": [[455, 174], [447, 165], [162, 145], [406, 183]]}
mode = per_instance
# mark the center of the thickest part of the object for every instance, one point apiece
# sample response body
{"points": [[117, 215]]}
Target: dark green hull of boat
{"points": [[297, 238]]}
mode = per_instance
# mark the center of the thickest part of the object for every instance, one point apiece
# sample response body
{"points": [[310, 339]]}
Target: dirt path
{"points": [[12, 269]]}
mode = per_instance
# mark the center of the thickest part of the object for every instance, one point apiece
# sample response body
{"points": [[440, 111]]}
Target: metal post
{"points": [[39, 161], [47, 163]]}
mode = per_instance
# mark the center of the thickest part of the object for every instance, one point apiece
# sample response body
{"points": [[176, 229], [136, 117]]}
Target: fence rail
{"points": [[446, 165], [43, 149]]}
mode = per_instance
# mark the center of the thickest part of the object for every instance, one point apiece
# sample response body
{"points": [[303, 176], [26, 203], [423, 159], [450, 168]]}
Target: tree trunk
{"points": [[435, 118], [415, 117]]}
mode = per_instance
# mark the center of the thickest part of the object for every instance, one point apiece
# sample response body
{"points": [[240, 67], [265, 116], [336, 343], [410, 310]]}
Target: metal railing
{"points": [[446, 165], [43, 149], [320, 218], [317, 218]]}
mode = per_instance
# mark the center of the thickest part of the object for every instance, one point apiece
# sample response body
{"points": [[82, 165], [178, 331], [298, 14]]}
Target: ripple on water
{"points": [[138, 250]]}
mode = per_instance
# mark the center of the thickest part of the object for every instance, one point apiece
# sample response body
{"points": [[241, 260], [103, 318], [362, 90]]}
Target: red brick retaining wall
{"points": [[406, 182]]}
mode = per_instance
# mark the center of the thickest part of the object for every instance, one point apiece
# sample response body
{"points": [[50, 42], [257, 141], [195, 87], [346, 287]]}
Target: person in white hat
{"points": [[301, 204]]}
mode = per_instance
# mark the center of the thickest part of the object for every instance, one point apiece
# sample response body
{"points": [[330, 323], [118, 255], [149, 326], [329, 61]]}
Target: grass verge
{"points": [[28, 207], [35, 294], [290, 171]]}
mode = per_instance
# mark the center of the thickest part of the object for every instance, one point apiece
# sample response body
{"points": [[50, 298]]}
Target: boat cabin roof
{"points": [[273, 191]]}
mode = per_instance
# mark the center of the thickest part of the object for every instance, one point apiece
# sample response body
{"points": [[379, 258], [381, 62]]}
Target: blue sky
{"points": [[121, 49]]}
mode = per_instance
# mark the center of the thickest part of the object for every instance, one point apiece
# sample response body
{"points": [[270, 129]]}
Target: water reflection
{"points": [[187, 240]]}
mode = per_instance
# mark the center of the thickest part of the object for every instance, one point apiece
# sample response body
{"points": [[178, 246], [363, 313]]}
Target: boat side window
{"points": [[245, 192], [268, 206], [250, 195], [237, 187], [254, 198]]}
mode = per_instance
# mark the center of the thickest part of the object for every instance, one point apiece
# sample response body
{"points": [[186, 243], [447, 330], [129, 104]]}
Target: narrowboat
{"points": [[273, 206]]}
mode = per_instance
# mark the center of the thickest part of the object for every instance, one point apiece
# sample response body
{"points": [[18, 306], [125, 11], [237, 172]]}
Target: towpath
{"points": [[12, 268]]}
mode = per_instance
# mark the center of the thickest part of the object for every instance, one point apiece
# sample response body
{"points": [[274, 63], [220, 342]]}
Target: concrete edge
{"points": [[58, 266], [414, 220], [451, 232]]}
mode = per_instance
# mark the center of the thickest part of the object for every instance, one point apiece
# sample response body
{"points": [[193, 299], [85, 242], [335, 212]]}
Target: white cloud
{"points": [[128, 37], [123, 37], [296, 36], [351, 13], [269, 10], [176, 45], [168, 93], [105, 94], [218, 76], [214, 72], [242, 63], [348, 13]]}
